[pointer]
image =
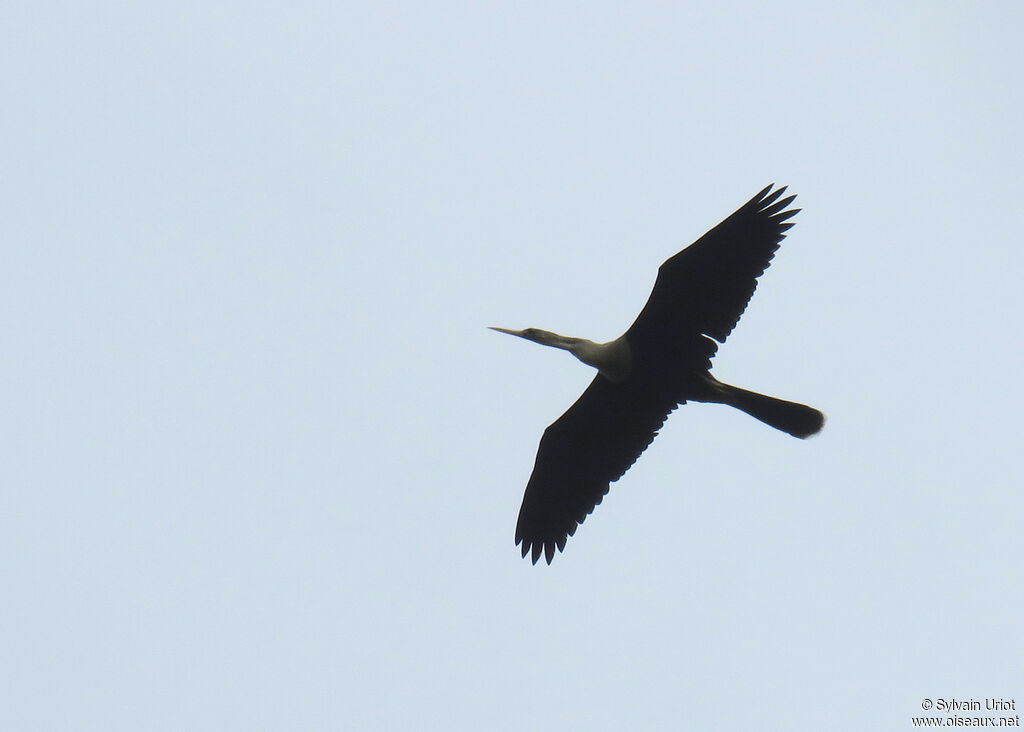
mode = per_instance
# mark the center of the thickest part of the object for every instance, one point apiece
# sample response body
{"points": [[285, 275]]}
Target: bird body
{"points": [[662, 361]]}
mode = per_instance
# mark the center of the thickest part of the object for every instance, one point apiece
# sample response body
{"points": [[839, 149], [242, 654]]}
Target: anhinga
{"points": [[662, 361]]}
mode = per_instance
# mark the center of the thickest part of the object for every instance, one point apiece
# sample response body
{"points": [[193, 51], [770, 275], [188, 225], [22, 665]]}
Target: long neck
{"points": [[612, 359], [566, 343]]}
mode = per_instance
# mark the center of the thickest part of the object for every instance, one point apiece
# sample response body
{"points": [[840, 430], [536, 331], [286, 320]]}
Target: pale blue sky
{"points": [[261, 460]]}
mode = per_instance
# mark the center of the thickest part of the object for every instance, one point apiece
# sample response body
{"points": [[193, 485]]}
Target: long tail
{"points": [[798, 420]]}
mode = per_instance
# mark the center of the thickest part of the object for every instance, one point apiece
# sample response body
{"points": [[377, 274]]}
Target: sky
{"points": [[261, 459]]}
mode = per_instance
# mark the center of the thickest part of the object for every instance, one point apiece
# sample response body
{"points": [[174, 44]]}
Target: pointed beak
{"points": [[506, 330]]}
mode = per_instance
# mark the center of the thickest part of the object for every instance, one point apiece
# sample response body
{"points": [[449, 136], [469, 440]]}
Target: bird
{"points": [[661, 362]]}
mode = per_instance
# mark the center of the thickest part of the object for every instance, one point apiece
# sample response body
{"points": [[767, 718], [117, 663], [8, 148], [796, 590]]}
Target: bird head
{"points": [[536, 335]]}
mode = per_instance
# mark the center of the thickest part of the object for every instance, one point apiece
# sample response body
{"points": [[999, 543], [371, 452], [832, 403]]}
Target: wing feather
{"points": [[593, 444], [706, 287]]}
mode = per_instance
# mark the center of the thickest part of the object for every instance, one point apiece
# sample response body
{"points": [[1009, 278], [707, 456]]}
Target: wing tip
{"points": [[540, 548]]}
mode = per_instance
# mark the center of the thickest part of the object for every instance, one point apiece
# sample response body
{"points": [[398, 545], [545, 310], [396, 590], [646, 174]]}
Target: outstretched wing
{"points": [[706, 287], [701, 291], [592, 444]]}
